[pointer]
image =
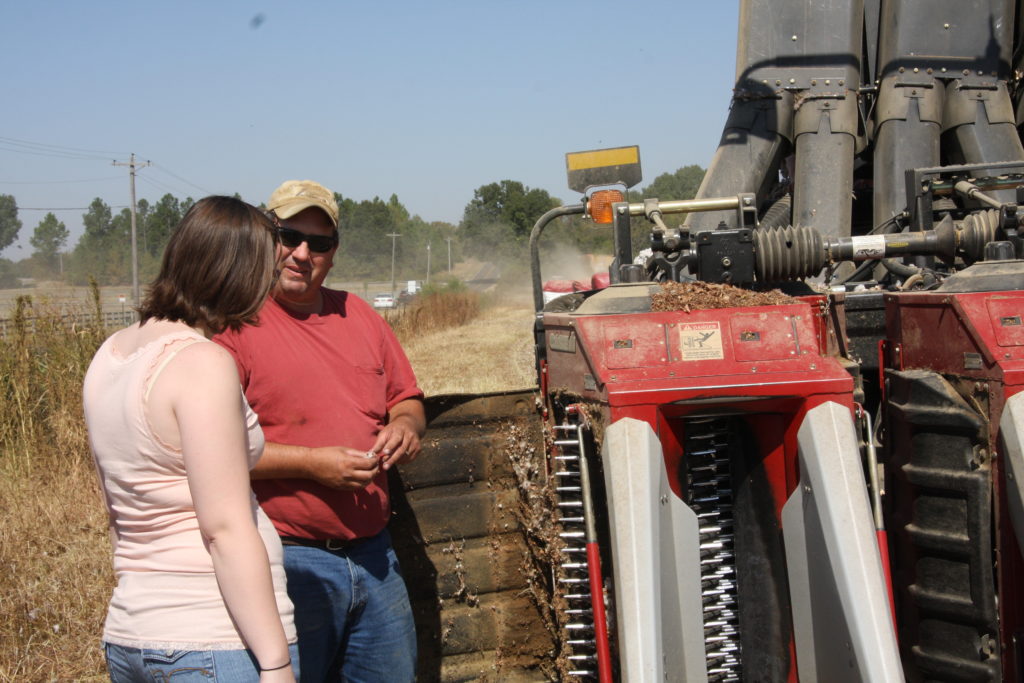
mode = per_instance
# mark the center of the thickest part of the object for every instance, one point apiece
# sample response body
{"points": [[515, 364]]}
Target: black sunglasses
{"points": [[292, 238]]}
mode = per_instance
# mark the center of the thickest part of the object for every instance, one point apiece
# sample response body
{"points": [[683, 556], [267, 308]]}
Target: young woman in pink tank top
{"points": [[200, 587]]}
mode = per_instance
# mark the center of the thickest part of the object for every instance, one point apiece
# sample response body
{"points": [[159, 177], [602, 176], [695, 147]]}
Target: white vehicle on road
{"points": [[383, 301]]}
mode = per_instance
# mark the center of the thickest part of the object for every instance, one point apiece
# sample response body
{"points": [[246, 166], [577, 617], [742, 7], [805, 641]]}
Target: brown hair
{"points": [[217, 269]]}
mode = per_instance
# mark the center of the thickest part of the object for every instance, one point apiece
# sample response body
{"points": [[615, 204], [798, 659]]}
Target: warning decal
{"points": [[700, 341]]}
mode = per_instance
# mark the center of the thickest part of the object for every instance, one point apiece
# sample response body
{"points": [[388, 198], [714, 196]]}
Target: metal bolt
{"points": [[916, 69], [902, 69], [945, 26], [841, 82], [929, 71], [663, 500], [792, 81], [943, 69], [622, 209], [828, 81], [794, 37], [814, 82], [726, 262], [967, 72], [778, 82]]}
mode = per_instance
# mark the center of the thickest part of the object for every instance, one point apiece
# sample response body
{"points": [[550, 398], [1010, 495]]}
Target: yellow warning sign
{"points": [[700, 341]]}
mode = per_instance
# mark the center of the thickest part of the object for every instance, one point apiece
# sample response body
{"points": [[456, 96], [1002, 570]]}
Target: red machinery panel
{"points": [[953, 360]]}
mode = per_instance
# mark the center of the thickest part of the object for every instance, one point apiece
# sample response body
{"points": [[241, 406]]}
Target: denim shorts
{"points": [[131, 664]]}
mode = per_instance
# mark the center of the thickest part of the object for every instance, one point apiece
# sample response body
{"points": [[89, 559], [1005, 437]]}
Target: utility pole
{"points": [[393, 236], [428, 263], [132, 165], [449, 241]]}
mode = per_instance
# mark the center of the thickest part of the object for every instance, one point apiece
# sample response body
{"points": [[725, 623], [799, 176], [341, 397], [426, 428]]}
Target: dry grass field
{"points": [[55, 574], [494, 352]]}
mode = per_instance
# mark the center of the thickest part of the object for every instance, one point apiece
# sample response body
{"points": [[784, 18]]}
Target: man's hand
{"points": [[399, 440], [342, 468]]}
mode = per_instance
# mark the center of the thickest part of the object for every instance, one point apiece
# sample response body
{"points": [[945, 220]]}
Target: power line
{"points": [[157, 184], [68, 208], [57, 182], [62, 148], [53, 153], [175, 175]]}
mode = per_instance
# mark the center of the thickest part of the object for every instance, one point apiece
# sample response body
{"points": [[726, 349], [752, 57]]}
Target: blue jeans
{"points": [[352, 613], [132, 665]]}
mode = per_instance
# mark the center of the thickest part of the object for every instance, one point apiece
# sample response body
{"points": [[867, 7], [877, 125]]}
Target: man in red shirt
{"points": [[339, 405]]}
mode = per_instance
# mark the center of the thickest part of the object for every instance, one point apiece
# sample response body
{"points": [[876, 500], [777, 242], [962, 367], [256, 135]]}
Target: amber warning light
{"points": [[599, 206]]}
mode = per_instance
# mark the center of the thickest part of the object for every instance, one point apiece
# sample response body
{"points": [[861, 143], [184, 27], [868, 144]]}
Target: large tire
{"points": [[463, 552]]}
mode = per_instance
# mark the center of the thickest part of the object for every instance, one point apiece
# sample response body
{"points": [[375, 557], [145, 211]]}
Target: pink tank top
{"points": [[166, 595]]}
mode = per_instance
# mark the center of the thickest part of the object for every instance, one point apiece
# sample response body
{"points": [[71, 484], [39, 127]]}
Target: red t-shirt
{"points": [[322, 380]]}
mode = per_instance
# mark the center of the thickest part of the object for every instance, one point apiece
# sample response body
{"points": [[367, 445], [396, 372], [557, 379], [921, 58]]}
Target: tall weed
{"points": [[434, 310], [54, 555]]}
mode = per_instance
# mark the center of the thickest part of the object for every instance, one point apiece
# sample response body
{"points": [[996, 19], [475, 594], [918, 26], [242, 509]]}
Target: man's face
{"points": [[303, 270]]}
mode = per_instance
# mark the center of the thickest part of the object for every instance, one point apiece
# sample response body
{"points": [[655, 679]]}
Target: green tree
{"points": [[48, 239], [399, 214], [501, 215], [161, 219], [365, 248], [9, 223], [103, 248], [8, 274], [682, 184]]}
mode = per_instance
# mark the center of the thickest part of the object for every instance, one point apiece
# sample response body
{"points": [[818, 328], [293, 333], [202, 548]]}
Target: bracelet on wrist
{"points": [[275, 668]]}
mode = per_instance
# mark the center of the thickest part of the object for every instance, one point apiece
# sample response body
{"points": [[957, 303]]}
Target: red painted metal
{"points": [[768, 365], [604, 654], [883, 549], [975, 340]]}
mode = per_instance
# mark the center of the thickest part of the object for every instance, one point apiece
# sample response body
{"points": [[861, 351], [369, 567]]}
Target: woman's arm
{"points": [[205, 397]]}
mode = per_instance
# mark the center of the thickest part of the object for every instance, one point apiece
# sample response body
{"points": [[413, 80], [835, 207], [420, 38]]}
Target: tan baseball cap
{"points": [[294, 196]]}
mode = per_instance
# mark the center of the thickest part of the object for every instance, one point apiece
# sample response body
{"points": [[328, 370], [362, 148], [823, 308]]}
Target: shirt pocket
{"points": [[372, 388]]}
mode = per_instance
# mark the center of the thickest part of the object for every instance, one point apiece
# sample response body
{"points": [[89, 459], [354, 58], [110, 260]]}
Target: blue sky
{"points": [[427, 100]]}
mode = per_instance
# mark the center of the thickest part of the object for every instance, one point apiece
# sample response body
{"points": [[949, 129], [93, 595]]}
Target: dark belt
{"points": [[332, 544]]}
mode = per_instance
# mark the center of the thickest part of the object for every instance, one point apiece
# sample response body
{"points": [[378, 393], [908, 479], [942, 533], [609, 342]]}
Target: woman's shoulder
{"points": [[153, 336], [204, 355]]}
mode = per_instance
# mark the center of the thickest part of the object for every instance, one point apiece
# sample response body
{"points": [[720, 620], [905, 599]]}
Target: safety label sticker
{"points": [[868, 246], [700, 341]]}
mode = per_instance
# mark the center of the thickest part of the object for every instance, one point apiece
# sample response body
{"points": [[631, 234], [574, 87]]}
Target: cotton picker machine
{"points": [[824, 486]]}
